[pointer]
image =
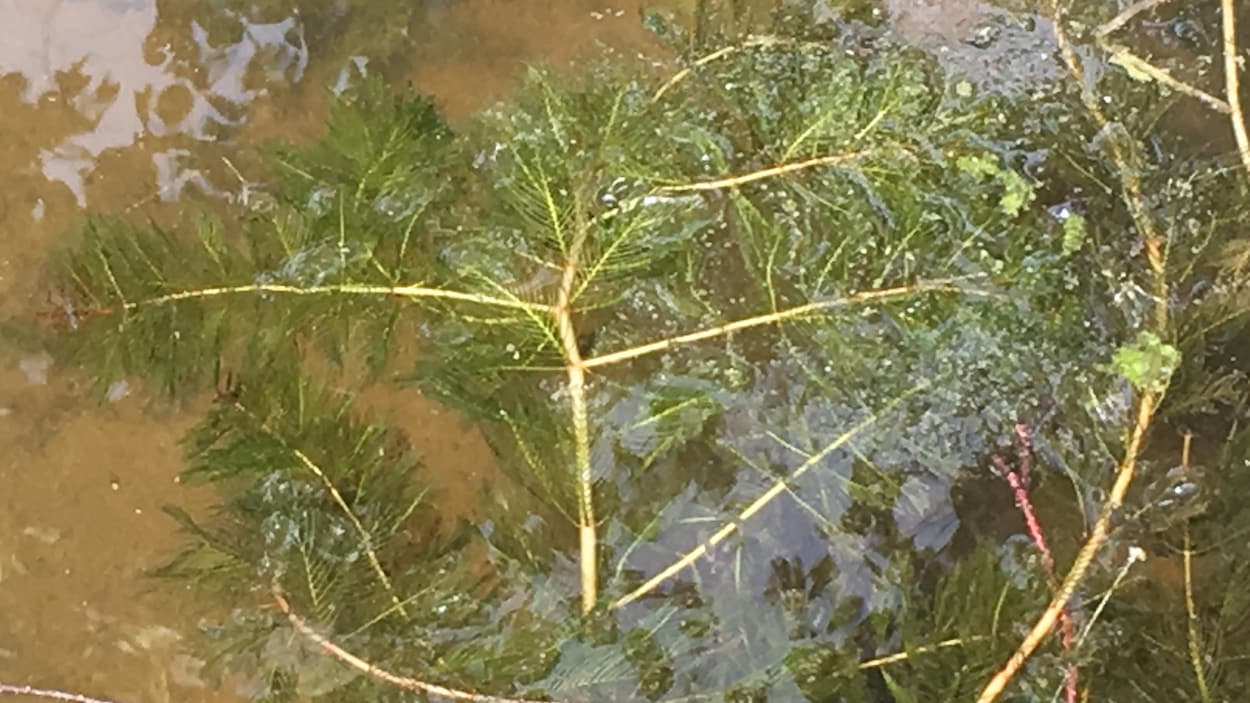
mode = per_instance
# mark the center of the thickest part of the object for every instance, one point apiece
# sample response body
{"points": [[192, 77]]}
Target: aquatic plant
{"points": [[744, 330]]}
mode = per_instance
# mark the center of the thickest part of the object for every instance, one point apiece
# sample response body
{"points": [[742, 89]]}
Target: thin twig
{"points": [[11, 690], [1193, 635], [781, 486], [1126, 16], [1231, 82], [1134, 62], [778, 170], [378, 672], [774, 317], [1135, 554], [683, 73], [719, 53], [923, 649], [1130, 182]]}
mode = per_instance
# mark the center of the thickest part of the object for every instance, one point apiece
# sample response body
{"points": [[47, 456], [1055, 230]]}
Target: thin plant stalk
{"points": [[1193, 635], [1135, 554], [588, 552], [1231, 81], [373, 670], [683, 73], [922, 649], [413, 291], [762, 174], [11, 690], [1137, 63], [1126, 16], [718, 54], [771, 318]]}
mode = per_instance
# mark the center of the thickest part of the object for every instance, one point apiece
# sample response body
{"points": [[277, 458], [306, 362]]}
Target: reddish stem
{"points": [[1019, 482]]}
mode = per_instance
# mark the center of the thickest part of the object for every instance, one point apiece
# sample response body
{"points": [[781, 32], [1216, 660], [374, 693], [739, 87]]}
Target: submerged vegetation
{"points": [[767, 337]]}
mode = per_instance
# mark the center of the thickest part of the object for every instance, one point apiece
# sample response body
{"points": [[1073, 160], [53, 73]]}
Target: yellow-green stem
{"points": [[413, 291], [1194, 636], [772, 318], [587, 538], [1232, 84]]}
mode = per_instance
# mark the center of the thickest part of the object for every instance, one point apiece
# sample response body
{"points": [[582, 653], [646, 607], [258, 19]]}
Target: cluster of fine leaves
{"points": [[774, 307]]}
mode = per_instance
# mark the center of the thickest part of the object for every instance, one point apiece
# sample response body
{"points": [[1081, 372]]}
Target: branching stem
{"points": [[1134, 198], [1098, 535], [1146, 404]]}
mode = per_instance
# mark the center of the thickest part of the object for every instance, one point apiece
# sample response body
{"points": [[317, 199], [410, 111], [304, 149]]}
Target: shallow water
{"points": [[135, 106]]}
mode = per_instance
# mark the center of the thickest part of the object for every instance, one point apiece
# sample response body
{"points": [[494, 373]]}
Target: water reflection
{"points": [[992, 47], [125, 87]]}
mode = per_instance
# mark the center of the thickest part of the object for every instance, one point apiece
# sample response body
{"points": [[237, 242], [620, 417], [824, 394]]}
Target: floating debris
{"points": [[35, 368], [47, 535], [117, 390]]}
